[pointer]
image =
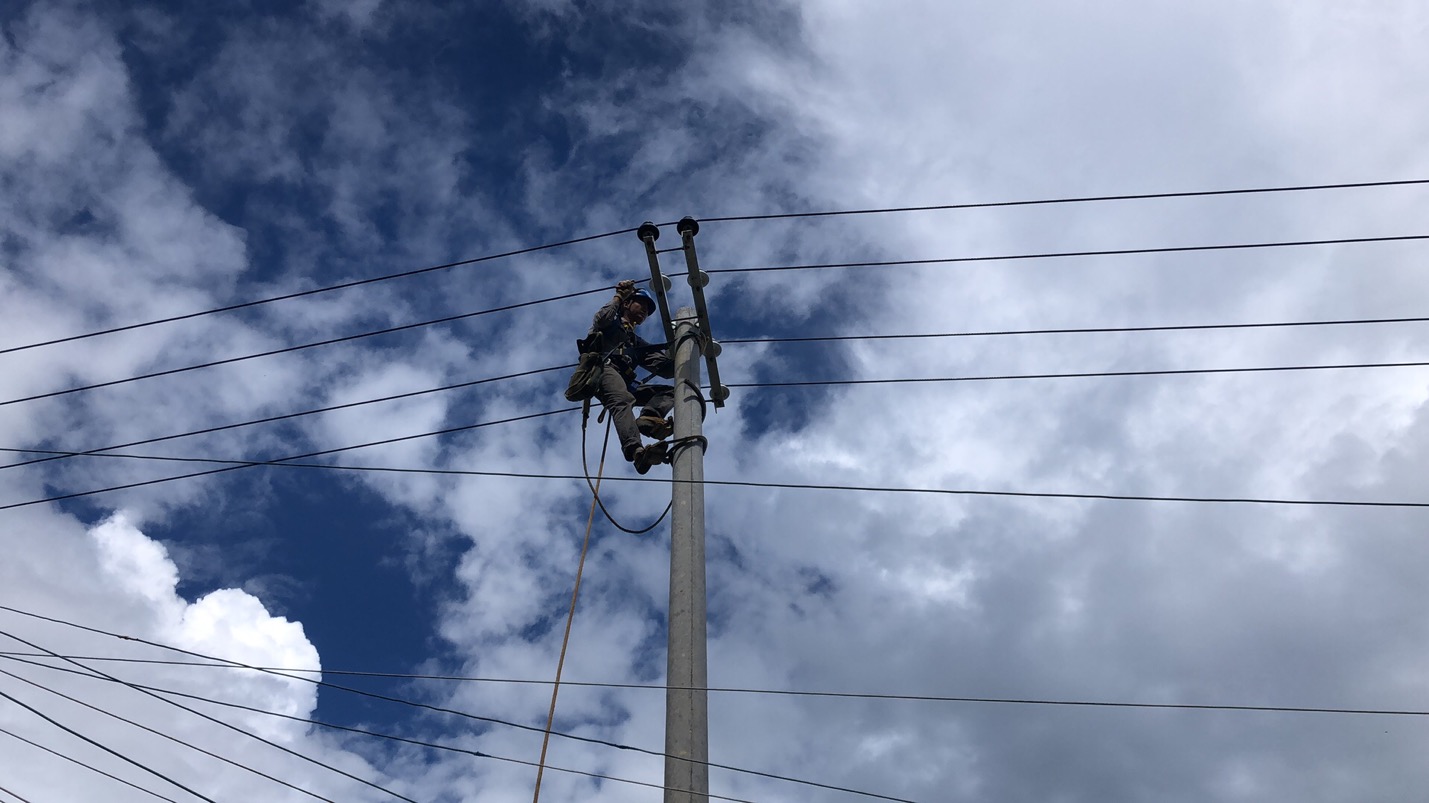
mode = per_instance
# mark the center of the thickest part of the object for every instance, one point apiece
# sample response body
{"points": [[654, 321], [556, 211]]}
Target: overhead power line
{"points": [[287, 416], [1068, 200], [927, 698], [104, 747], [289, 349], [1071, 331], [1067, 254], [154, 731], [887, 263], [236, 465], [286, 463], [317, 290], [732, 341], [439, 746], [91, 672], [89, 767]]}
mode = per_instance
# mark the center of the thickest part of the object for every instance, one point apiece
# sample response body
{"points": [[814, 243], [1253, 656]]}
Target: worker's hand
{"points": [[625, 289]]}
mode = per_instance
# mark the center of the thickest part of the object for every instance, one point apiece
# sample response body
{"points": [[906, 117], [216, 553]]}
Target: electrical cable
{"points": [[889, 263], [479, 754], [159, 733], [734, 341], [234, 465], [1071, 331], [725, 483], [364, 693], [1067, 200], [595, 490], [89, 671], [12, 794], [1066, 254], [289, 349], [104, 747], [287, 416], [318, 290], [1082, 375], [929, 698], [91, 768]]}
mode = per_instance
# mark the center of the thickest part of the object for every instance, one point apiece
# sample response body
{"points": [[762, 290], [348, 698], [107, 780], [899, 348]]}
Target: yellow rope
{"points": [[570, 617]]}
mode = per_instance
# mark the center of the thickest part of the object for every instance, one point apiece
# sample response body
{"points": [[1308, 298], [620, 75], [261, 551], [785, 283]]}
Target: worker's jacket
{"points": [[624, 349]]}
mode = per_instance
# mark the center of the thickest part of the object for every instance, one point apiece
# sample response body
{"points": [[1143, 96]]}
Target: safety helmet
{"points": [[645, 298]]}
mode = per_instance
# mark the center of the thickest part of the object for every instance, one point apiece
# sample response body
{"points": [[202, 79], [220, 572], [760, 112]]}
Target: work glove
{"points": [[625, 289]]}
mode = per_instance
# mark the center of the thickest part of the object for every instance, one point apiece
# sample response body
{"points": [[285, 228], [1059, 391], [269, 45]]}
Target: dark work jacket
{"points": [[627, 349]]}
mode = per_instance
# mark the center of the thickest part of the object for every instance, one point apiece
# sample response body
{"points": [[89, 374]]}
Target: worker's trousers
{"points": [[617, 398]]}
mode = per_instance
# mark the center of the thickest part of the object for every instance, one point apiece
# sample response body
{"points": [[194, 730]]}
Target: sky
{"points": [[159, 159]]}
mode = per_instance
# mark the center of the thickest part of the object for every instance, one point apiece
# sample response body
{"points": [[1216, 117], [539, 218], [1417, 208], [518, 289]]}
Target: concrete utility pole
{"points": [[687, 673]]}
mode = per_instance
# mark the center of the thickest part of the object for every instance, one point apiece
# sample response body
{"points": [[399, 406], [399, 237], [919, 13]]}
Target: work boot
{"points": [[654, 427], [647, 456]]}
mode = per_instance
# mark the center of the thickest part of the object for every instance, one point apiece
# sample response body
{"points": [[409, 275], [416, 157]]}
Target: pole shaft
{"points": [[686, 710]]}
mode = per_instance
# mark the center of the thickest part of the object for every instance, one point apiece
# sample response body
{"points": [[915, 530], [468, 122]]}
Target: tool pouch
{"points": [[585, 380]]}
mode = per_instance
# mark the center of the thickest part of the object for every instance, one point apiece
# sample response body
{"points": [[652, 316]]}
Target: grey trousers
{"points": [[617, 399]]}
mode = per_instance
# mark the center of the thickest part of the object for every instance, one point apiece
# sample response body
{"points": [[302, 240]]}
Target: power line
{"points": [[888, 263], [1065, 254], [154, 731], [734, 341], [287, 416], [12, 794], [1068, 200], [401, 701], [89, 671], [1071, 331], [289, 349], [929, 698], [1080, 375], [72, 760], [104, 747], [234, 464], [317, 290]]}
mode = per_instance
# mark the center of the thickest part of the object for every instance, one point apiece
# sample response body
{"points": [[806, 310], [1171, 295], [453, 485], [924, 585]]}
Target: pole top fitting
{"points": [[687, 225], [648, 231]]}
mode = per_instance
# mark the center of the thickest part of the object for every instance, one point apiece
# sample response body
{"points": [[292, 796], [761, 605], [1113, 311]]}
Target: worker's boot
{"points": [[654, 427], [647, 456]]}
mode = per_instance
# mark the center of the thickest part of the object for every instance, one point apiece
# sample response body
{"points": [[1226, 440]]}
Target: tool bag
{"points": [[585, 380]]}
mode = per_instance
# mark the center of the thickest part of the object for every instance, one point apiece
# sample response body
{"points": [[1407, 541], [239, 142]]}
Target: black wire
{"points": [[478, 754], [287, 416], [767, 692], [1072, 331], [585, 466], [1061, 254], [154, 731], [1001, 377], [105, 748], [364, 693], [288, 349], [72, 760], [12, 794], [1116, 252], [1071, 200], [235, 465], [89, 671], [728, 483], [735, 341], [317, 290]]}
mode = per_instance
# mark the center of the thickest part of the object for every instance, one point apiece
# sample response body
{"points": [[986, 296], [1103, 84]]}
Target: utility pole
{"points": [[687, 672]]}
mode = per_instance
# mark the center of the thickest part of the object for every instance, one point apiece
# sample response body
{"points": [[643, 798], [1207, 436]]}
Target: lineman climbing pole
{"points": [[686, 710]]}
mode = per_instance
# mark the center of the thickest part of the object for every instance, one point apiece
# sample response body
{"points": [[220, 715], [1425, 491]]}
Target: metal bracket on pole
{"points": [[688, 228], [659, 283]]}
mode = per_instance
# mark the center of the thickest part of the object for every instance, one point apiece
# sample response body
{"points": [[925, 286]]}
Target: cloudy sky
{"points": [[161, 158]]}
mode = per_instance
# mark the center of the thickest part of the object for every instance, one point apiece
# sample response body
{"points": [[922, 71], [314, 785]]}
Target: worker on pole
{"points": [[610, 354]]}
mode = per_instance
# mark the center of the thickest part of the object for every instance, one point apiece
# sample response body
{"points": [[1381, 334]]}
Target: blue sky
{"points": [[157, 160]]}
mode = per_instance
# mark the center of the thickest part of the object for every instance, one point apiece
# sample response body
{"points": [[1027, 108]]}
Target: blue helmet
{"points": [[645, 298]]}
